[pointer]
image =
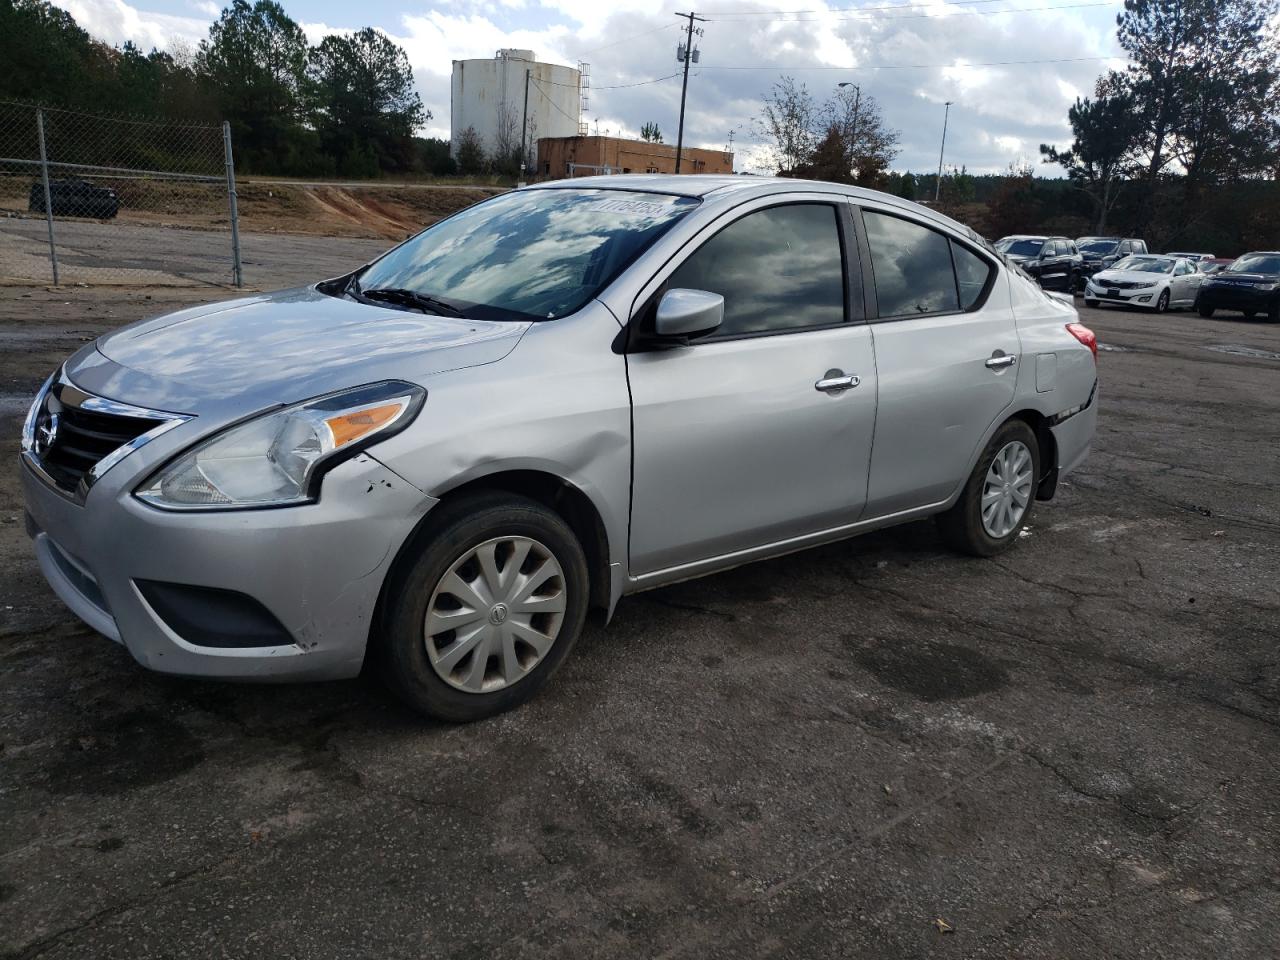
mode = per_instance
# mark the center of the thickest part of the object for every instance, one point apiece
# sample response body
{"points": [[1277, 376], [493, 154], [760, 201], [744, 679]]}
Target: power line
{"points": [[891, 6], [931, 16], [616, 86], [935, 16], [538, 84], [917, 66]]}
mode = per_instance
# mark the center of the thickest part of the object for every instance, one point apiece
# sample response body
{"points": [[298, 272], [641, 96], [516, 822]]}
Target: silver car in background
{"points": [[568, 393]]}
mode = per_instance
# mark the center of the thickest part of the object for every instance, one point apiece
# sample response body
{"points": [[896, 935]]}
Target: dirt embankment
{"points": [[390, 211]]}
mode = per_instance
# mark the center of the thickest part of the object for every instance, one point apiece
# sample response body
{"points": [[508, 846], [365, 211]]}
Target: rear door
{"points": [[947, 350], [739, 441]]}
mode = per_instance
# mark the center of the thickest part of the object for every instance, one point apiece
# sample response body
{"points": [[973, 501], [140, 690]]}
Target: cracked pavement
{"points": [[1067, 751]]}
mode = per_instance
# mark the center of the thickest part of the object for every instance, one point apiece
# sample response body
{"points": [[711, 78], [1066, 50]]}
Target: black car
{"points": [[1099, 253], [1052, 261], [75, 198], [1250, 285]]}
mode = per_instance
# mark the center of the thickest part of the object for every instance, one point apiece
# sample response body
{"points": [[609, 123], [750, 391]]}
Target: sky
{"points": [[911, 56]]}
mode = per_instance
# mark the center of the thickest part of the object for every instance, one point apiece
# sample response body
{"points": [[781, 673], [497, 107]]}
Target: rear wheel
{"points": [[998, 498], [488, 610]]}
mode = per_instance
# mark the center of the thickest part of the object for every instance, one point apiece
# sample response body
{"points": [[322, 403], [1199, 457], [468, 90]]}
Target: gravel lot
{"points": [[1068, 751]]}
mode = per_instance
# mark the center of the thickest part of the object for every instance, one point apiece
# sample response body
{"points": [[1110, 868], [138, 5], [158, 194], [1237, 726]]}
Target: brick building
{"points": [[581, 156]]}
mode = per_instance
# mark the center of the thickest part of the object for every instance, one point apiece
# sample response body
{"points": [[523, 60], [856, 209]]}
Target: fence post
{"points": [[236, 269], [48, 204]]}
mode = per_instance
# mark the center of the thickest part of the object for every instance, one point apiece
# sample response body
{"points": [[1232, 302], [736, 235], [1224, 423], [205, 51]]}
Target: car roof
{"points": [[713, 187]]}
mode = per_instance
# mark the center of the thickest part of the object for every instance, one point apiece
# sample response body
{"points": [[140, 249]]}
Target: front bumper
{"points": [[1228, 297], [1134, 297], [317, 568]]}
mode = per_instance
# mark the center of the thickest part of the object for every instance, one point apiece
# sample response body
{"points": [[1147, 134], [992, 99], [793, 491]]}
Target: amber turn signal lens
{"points": [[352, 426]]}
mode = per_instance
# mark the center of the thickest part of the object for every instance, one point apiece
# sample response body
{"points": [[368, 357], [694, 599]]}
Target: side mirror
{"points": [[688, 313]]}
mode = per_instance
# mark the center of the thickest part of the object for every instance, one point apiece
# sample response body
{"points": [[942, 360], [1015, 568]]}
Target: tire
{"points": [[1204, 310], [1248, 314], [962, 526], [514, 670], [1162, 301], [1273, 314], [1090, 303]]}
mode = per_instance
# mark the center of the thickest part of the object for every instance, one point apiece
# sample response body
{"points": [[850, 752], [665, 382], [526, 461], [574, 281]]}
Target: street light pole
{"points": [[857, 104], [937, 193], [684, 84], [524, 127]]}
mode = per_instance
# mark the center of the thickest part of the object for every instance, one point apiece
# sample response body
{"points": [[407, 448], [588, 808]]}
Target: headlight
{"points": [[278, 457], [1265, 286]]}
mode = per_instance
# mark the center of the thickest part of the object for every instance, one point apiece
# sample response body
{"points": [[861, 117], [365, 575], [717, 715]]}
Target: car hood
{"points": [[280, 348], [1141, 276], [1249, 278]]}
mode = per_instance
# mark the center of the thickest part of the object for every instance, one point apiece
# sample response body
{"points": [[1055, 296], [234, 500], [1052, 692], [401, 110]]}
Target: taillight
{"points": [[1085, 336]]}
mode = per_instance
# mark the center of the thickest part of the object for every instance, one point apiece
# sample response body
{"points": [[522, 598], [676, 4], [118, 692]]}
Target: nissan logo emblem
{"points": [[46, 432]]}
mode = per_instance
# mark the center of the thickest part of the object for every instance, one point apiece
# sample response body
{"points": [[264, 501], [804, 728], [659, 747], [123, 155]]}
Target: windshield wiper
{"points": [[410, 298]]}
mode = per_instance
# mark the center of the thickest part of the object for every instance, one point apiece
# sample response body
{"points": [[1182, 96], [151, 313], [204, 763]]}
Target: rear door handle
{"points": [[1001, 360], [835, 381]]}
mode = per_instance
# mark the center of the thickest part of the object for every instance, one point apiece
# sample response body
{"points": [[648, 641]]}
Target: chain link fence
{"points": [[96, 199]]}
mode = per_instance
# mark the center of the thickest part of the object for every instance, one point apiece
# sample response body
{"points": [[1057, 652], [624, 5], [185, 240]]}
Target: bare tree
{"points": [[789, 119]]}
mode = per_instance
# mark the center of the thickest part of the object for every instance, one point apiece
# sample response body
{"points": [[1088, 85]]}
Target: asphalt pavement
{"points": [[872, 749]]}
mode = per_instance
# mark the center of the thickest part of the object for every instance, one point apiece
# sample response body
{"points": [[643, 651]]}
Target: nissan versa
{"points": [[556, 397]]}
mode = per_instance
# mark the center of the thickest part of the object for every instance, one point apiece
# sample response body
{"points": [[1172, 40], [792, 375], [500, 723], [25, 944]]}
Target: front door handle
{"points": [[1000, 360], [835, 381]]}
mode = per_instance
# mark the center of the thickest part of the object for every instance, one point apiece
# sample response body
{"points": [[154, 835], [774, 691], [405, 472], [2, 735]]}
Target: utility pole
{"points": [[937, 193], [684, 85], [524, 126]]}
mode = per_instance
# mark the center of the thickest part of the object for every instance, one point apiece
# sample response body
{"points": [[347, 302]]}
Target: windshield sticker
{"points": [[642, 208]]}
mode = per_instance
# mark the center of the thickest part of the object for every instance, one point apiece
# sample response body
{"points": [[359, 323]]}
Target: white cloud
{"points": [[1002, 109], [116, 21]]}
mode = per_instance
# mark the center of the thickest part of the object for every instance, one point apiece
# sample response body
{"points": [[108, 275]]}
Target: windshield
{"points": [[1099, 246], [1021, 248], [538, 254], [1256, 263], [1145, 265]]}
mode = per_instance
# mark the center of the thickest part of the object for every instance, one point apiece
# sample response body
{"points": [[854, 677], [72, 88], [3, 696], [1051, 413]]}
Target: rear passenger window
{"points": [[777, 269], [912, 267], [972, 273]]}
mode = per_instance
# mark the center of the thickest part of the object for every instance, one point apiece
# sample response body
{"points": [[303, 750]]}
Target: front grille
{"points": [[1124, 284], [83, 438], [69, 433]]}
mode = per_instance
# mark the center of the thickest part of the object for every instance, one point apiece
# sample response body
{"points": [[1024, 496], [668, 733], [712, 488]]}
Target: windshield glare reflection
{"points": [[538, 254]]}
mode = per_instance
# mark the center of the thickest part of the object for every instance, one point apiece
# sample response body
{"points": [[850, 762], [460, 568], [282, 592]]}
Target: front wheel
{"points": [[1205, 310], [1162, 301], [1090, 303], [487, 611], [998, 498]]}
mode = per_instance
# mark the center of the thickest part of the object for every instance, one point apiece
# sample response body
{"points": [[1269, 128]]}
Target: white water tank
{"points": [[488, 96]]}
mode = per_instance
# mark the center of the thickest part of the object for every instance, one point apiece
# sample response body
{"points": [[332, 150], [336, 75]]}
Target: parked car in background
{"points": [[75, 198], [1216, 265], [1053, 262], [1151, 281], [1250, 284], [1193, 257], [561, 395], [1099, 253]]}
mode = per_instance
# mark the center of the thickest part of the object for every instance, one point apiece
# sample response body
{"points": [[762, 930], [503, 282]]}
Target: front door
{"points": [[760, 432], [947, 351]]}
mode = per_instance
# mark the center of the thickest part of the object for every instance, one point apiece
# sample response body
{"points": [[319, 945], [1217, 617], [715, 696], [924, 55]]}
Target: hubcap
{"points": [[1007, 490], [495, 614]]}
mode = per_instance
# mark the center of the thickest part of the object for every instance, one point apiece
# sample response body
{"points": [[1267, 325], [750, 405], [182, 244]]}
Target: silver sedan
{"points": [[562, 395]]}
